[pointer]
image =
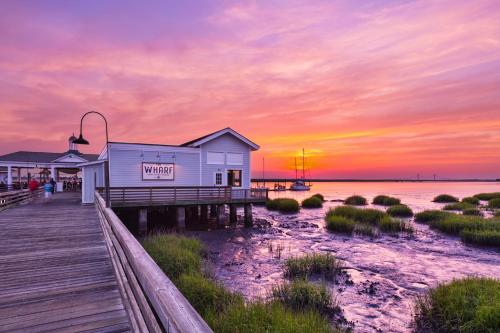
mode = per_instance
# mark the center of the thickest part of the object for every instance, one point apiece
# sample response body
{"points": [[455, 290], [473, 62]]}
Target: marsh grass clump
{"points": [[303, 267], [340, 224], [367, 215], [471, 200], [468, 305], [389, 225], [458, 206], [365, 230], [400, 211], [472, 212], [207, 295], [356, 200], [312, 202], [283, 205], [481, 237], [494, 203], [174, 254], [264, 317], [384, 200], [319, 196], [445, 198], [487, 196], [304, 295], [428, 216]]}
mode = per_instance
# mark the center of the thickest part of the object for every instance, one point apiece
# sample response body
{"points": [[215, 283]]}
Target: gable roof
{"points": [[42, 157], [201, 140]]}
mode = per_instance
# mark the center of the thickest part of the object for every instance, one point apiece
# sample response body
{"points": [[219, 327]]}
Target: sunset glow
{"points": [[370, 89]]}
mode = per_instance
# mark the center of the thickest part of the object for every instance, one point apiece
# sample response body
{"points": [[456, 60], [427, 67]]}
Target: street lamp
{"points": [[82, 141]]}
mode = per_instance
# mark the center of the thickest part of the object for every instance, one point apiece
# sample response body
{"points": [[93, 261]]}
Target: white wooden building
{"points": [[219, 159]]}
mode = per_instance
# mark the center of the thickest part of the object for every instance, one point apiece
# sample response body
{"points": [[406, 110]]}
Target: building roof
{"points": [[43, 157], [201, 140]]}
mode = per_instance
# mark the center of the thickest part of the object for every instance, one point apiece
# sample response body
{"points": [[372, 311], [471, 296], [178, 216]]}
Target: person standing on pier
{"points": [[53, 183], [33, 186], [47, 189]]}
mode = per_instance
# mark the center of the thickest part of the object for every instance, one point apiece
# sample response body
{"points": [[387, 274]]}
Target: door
{"points": [[234, 178]]}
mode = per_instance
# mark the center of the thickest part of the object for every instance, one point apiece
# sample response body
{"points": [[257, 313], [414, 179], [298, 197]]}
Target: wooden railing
{"points": [[153, 302], [183, 195], [12, 198]]}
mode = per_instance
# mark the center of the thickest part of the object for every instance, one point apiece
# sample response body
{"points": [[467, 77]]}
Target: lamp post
{"points": [[82, 141]]}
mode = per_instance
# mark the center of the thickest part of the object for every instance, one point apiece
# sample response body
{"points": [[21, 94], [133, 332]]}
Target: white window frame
{"points": [[238, 154], [221, 178], [216, 152]]}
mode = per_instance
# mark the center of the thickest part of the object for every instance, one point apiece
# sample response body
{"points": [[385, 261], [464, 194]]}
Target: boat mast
{"points": [[296, 177], [303, 165]]}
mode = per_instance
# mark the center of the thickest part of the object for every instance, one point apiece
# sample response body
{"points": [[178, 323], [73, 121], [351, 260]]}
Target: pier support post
{"points": [[248, 215], [221, 215], [143, 221], [213, 210], [233, 217], [181, 217], [203, 214]]}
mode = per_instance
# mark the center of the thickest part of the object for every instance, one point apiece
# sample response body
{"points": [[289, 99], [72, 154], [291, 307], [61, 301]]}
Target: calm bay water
{"points": [[388, 272]]}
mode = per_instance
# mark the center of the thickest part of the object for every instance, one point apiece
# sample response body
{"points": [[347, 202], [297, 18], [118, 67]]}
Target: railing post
{"points": [[175, 195], [150, 195]]}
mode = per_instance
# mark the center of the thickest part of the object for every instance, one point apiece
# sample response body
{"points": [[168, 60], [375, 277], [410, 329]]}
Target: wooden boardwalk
{"points": [[56, 274]]}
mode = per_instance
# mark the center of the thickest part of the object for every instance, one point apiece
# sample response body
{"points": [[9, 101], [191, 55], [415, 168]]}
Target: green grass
{"points": [[181, 258], [428, 216], [445, 198], [487, 196], [494, 203], [303, 267], [470, 305], [400, 211], [267, 317], [481, 237], [206, 295], [304, 295], [284, 205], [496, 214], [312, 202], [472, 211], [175, 255], [367, 215], [384, 200], [471, 200], [471, 229], [365, 230], [356, 200], [319, 196], [340, 224], [458, 206]]}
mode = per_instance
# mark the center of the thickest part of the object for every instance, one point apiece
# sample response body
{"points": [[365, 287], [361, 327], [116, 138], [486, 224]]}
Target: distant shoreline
{"points": [[282, 180]]}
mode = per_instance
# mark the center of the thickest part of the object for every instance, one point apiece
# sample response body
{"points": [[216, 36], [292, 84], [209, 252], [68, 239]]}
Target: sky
{"points": [[370, 89]]}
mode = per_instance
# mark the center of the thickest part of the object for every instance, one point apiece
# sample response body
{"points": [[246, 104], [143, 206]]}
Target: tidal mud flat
{"points": [[385, 273]]}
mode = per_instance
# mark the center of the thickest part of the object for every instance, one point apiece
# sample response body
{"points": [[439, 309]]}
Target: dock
{"points": [[56, 272], [65, 267]]}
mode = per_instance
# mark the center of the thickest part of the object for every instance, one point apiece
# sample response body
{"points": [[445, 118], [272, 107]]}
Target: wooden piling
{"points": [[248, 215], [181, 217], [143, 221], [233, 216], [221, 215]]}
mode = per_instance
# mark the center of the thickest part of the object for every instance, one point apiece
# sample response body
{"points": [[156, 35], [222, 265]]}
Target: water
{"points": [[388, 272]]}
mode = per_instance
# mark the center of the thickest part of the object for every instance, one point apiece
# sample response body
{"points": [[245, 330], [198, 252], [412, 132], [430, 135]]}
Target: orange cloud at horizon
{"points": [[368, 89]]}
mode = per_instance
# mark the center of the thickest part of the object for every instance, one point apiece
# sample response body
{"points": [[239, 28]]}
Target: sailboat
{"points": [[300, 184]]}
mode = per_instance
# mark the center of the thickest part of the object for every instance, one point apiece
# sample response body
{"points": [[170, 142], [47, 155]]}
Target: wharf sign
{"points": [[157, 171]]}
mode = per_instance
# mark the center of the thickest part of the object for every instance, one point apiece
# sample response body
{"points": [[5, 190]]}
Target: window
{"points": [[234, 178], [234, 158], [218, 178], [215, 158]]}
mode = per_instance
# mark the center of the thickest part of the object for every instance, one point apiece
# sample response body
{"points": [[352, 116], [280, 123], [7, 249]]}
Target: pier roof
{"points": [[43, 157]]}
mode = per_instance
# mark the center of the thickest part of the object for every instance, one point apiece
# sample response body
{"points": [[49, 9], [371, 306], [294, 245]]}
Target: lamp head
{"points": [[81, 140]]}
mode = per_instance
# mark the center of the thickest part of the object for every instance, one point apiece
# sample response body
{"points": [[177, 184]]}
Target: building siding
{"points": [[126, 165], [88, 183], [226, 143]]}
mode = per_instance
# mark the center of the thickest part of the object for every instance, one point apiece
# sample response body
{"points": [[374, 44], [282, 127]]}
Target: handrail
{"points": [[12, 198], [175, 313]]}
